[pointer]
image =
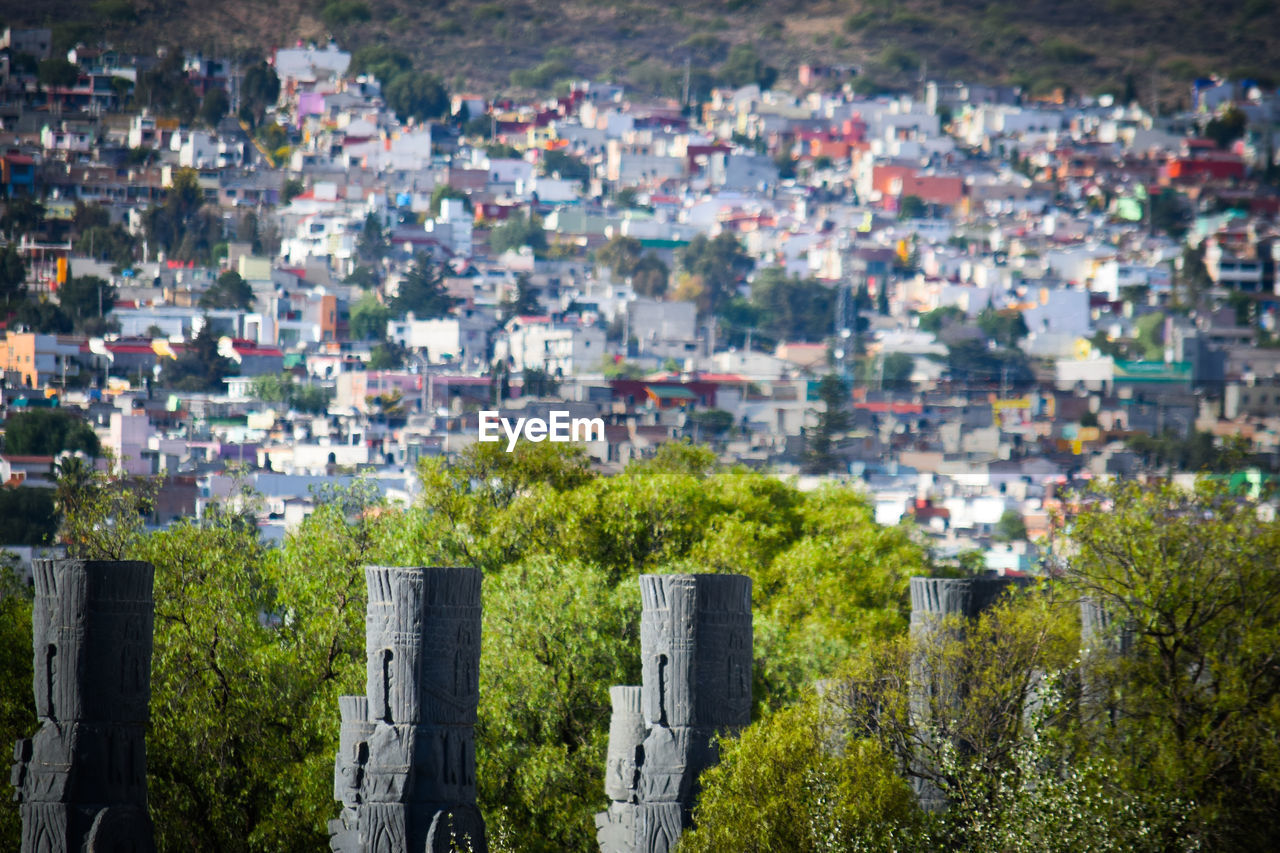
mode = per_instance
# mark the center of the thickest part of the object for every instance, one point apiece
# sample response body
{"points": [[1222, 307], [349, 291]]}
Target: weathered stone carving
{"points": [[933, 600], [405, 769], [82, 779], [696, 647]]}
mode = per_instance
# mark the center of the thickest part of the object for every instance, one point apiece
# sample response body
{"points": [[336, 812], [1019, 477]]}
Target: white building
{"points": [[560, 349]]}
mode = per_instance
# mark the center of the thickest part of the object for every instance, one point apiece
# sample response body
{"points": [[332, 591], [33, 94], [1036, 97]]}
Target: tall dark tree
{"points": [[87, 297], [833, 419], [214, 106], [422, 291], [372, 244], [200, 367], [13, 277], [258, 90]]}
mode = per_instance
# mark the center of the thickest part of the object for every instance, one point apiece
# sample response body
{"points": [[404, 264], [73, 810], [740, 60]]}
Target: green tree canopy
{"points": [[369, 318], [229, 291], [108, 242], [48, 432], [792, 309], [199, 367], [518, 230], [718, 264], [86, 298], [13, 277], [214, 106], [422, 291]]}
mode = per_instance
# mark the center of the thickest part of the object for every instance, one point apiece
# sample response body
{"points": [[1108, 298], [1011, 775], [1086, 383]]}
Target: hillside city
{"points": [[964, 300]]}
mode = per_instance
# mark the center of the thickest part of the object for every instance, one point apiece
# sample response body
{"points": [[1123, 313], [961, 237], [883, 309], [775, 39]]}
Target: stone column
{"points": [[82, 779], [695, 647], [405, 770], [615, 828], [933, 600]]}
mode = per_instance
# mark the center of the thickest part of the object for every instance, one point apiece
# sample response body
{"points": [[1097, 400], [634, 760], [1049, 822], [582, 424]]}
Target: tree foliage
{"points": [[422, 291], [13, 277], [717, 265], [48, 432], [369, 317], [229, 291], [791, 308], [518, 230]]}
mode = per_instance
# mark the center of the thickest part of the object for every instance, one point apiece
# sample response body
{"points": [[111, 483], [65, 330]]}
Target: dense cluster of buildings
{"points": [[971, 198]]}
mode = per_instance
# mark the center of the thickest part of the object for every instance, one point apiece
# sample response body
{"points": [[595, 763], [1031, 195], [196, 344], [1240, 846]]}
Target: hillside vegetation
{"points": [[1091, 45]]}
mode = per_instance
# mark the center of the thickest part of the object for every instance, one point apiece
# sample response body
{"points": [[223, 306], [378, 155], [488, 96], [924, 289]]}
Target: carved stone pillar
{"points": [[695, 647], [405, 770], [82, 779], [933, 600]]}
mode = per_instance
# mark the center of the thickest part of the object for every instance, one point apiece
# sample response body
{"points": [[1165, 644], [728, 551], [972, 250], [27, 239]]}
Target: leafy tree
{"points": [[518, 230], [712, 421], [108, 242], [1190, 707], [58, 73], [229, 291], [85, 216], [565, 165], [912, 207], [792, 309], [625, 258], [794, 781], [387, 355], [48, 432], [372, 244], [214, 106], [1227, 127], [272, 388], [22, 215], [199, 367], [442, 192], [539, 715], [363, 277], [165, 88], [369, 318], [181, 226], [45, 317], [17, 702], [416, 95], [13, 277], [744, 67], [717, 264], [833, 419], [934, 321], [1006, 328], [311, 398], [895, 371], [27, 516], [973, 363], [1011, 527], [87, 297], [422, 291]]}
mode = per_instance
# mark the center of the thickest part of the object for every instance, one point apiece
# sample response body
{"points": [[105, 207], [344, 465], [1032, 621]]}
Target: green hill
{"points": [[1042, 44]]}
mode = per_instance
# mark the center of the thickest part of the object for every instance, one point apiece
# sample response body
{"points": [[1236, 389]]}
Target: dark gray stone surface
{"points": [[405, 769], [82, 779], [696, 656]]}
